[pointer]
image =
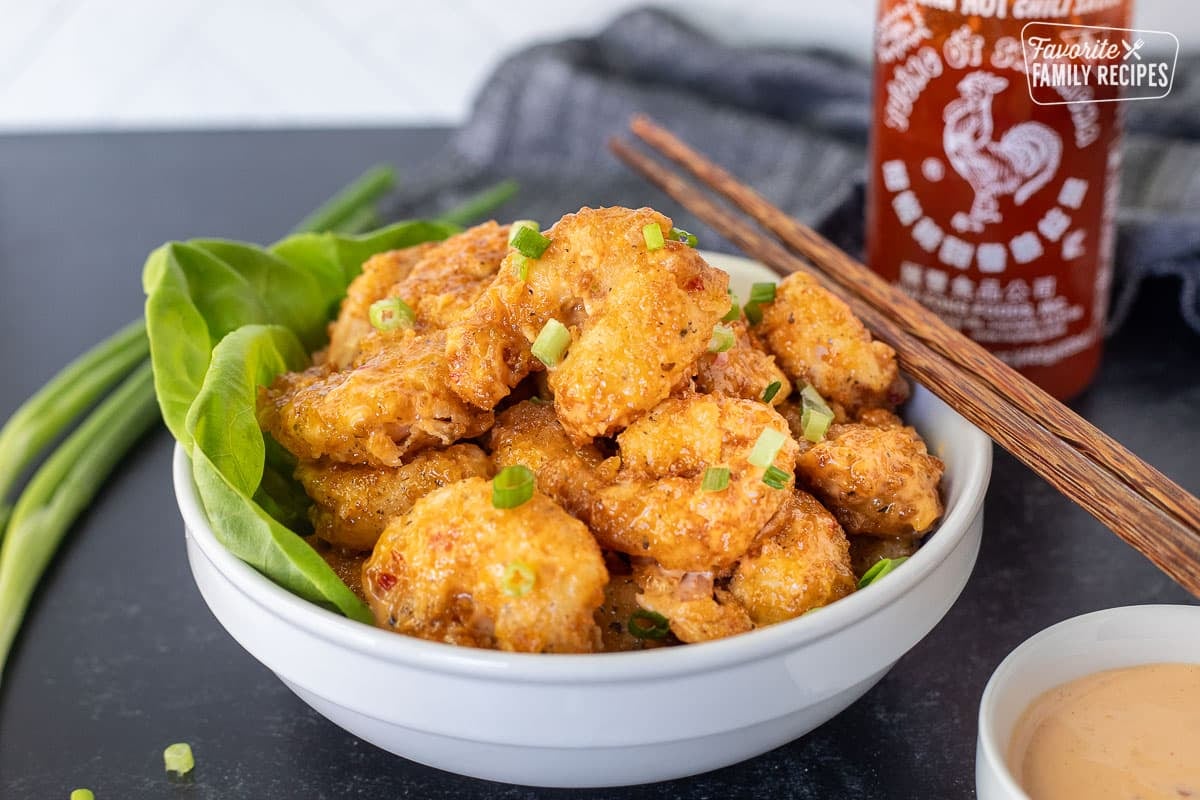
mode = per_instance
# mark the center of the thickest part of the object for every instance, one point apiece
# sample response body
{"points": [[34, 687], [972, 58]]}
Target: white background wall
{"points": [[68, 64]]}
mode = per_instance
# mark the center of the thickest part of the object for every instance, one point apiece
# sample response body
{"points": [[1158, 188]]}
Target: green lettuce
{"points": [[224, 318]]}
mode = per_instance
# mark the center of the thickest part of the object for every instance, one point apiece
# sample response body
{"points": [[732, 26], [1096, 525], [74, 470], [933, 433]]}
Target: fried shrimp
{"points": [[696, 609], [353, 503], [437, 280], [451, 276], [388, 405], [379, 274], [657, 506], [745, 370], [671, 495], [530, 434], [638, 319], [876, 478], [799, 562], [456, 569], [819, 341]]}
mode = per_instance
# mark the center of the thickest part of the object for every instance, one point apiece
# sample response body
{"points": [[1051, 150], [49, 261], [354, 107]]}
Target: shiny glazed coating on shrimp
{"points": [[455, 569], [800, 561], [638, 319], [657, 508], [745, 370], [438, 280], [394, 401], [696, 609], [877, 479], [819, 341], [353, 503]]}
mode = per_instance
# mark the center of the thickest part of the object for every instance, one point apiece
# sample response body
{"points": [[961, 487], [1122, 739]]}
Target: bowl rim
{"points": [[992, 751], [642, 665]]}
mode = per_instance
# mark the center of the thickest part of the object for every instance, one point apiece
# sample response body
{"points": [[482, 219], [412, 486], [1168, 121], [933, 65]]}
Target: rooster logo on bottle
{"points": [[1021, 162]]}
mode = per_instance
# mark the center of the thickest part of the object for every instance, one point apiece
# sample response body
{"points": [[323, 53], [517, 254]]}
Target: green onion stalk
{"points": [[63, 487], [76, 388], [32, 529]]}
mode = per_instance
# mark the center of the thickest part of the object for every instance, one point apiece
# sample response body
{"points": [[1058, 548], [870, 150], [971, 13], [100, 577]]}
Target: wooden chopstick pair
{"points": [[1137, 502]]}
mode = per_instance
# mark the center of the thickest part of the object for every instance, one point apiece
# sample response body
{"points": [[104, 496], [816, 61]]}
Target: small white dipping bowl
{"points": [[1102, 640], [611, 718]]}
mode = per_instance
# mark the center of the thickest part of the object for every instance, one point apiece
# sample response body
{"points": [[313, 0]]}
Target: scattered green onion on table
{"points": [[178, 758], [32, 528]]}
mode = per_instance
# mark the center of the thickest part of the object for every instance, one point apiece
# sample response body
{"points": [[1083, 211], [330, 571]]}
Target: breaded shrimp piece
{"points": [[530, 434], [379, 273], [696, 610], [819, 341], [455, 569], [638, 320], [800, 561], [353, 503], [876, 479], [438, 280], [390, 404], [745, 370], [657, 508], [452, 274]]}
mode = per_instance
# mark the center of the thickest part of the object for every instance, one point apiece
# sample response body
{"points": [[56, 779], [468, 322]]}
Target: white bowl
{"points": [[612, 718], [1109, 639]]}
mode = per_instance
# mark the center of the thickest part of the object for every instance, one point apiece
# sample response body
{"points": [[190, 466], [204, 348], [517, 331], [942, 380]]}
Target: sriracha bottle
{"points": [[994, 211]]}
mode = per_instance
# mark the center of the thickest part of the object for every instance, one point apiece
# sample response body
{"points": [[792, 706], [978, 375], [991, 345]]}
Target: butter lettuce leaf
{"points": [[224, 318]]}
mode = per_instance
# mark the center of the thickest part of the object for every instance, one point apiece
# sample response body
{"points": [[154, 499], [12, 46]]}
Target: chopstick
{"points": [[974, 383], [855, 277]]}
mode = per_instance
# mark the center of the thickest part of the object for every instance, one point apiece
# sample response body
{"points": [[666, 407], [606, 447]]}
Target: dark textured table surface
{"points": [[119, 655]]}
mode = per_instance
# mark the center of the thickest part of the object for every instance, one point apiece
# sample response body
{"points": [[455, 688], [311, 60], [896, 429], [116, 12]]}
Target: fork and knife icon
{"points": [[1132, 50]]}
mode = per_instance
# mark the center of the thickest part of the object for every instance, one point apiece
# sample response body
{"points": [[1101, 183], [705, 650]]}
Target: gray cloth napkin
{"points": [[791, 123]]}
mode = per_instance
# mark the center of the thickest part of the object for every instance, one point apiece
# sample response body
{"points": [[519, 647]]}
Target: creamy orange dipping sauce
{"points": [[1123, 734]]}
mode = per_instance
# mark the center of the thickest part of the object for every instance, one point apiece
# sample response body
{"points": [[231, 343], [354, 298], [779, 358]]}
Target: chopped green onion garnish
{"points": [[735, 310], [814, 425], [518, 579], [772, 389], [815, 414], [761, 293], [715, 479], [512, 486], [551, 342], [679, 234], [880, 568], [529, 242], [722, 339], [775, 477], [178, 758], [767, 447], [653, 235], [390, 313], [521, 264], [648, 624], [82, 794], [515, 228], [753, 312]]}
